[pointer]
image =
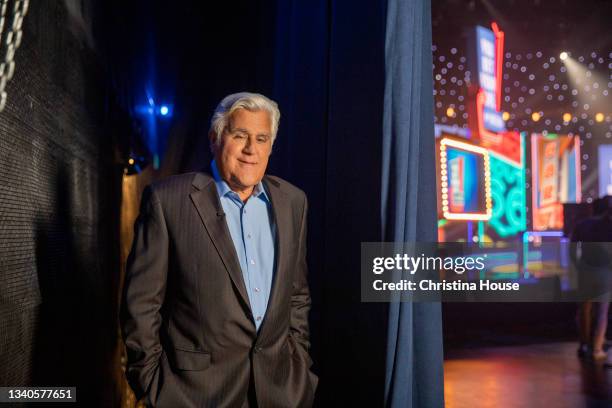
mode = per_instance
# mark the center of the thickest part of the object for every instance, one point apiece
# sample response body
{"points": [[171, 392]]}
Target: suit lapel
{"points": [[206, 201]]}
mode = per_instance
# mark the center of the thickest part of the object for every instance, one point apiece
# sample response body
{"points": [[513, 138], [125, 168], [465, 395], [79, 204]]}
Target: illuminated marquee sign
{"points": [[550, 173], [508, 192], [555, 178], [485, 118], [489, 54], [465, 182]]}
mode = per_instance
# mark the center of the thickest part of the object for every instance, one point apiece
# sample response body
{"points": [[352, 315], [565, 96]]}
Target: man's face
{"points": [[243, 152]]}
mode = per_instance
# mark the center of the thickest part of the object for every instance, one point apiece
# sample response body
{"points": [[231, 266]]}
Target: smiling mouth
{"points": [[246, 162]]}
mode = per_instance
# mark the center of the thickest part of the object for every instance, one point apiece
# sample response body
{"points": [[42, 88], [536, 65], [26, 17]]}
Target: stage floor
{"points": [[541, 375]]}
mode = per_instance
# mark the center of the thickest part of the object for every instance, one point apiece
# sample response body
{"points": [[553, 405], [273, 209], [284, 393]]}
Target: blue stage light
{"points": [[163, 110]]}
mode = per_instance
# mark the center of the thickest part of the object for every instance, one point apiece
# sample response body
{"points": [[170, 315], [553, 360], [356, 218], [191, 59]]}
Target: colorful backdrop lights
{"points": [[541, 94], [556, 178], [532, 83], [509, 215], [465, 185]]}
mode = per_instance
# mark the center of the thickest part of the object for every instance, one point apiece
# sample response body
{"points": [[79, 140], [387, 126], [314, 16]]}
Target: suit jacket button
{"points": [[257, 349]]}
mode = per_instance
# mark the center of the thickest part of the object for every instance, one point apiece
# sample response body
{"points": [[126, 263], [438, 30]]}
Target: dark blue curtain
{"points": [[414, 371]]}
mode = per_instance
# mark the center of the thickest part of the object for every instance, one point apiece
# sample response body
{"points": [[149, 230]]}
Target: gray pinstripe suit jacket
{"points": [[188, 328]]}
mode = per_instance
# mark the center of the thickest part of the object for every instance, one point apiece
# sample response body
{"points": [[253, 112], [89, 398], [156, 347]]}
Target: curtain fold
{"points": [[414, 364]]}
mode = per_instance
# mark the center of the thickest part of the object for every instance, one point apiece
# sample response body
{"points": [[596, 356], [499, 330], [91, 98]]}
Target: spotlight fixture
{"points": [[135, 164], [563, 56]]}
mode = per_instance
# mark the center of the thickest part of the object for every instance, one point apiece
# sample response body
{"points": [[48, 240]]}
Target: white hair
{"points": [[243, 100]]}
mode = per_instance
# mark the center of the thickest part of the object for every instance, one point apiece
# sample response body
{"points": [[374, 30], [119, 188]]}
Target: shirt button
{"points": [[256, 289], [258, 318], [248, 235], [252, 262]]}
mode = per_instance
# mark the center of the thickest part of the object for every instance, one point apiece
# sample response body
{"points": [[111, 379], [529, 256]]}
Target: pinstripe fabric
{"points": [[186, 320]]}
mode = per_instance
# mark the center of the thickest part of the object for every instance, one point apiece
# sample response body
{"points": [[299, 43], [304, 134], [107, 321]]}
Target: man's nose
{"points": [[248, 146]]}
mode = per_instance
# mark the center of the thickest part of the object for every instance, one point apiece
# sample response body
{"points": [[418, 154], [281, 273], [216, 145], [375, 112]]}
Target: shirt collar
{"points": [[224, 189]]}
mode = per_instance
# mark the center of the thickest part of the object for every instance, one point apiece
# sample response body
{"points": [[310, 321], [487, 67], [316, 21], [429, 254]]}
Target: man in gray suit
{"points": [[216, 300]]}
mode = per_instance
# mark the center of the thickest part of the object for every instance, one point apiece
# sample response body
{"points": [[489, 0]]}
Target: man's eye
{"points": [[239, 135], [262, 139]]}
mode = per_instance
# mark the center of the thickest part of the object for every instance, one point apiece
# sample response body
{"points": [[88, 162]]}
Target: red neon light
{"points": [[482, 131], [578, 173], [499, 62], [534, 181]]}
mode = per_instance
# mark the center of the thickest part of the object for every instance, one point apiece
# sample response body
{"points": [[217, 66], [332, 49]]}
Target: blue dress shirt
{"points": [[252, 229]]}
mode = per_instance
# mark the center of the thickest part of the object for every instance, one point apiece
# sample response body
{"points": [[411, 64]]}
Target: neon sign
{"points": [[489, 53], [556, 178], [508, 192], [465, 181]]}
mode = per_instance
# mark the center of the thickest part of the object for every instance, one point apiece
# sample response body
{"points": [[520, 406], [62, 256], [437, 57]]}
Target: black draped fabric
{"points": [[329, 81]]}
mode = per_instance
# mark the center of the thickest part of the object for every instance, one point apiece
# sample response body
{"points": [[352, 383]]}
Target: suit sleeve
{"points": [[144, 292], [300, 299]]}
